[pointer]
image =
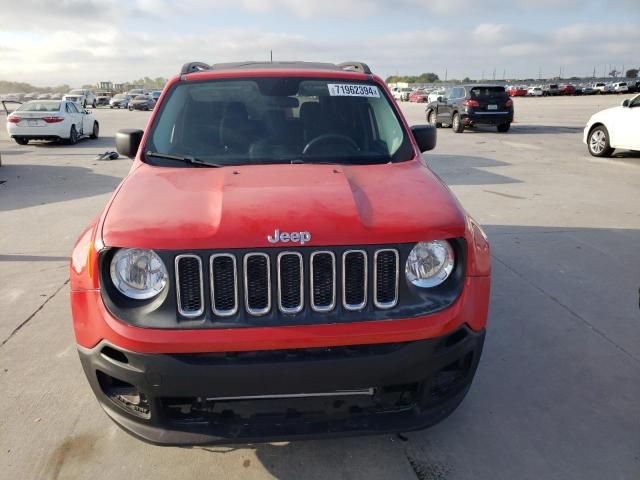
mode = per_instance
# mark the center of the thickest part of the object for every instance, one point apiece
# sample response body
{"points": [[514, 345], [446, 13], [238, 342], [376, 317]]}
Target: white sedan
{"points": [[50, 120], [613, 128]]}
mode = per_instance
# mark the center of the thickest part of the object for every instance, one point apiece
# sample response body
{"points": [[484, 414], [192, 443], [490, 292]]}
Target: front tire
{"points": [[598, 142], [93, 105], [21, 140], [84, 104], [432, 118], [73, 135], [456, 123], [96, 130], [504, 127]]}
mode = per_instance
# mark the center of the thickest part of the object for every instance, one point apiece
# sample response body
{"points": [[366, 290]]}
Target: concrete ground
{"points": [[556, 394]]}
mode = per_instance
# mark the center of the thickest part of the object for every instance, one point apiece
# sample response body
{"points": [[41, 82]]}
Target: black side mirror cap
{"points": [[626, 103], [426, 136], [128, 141]]}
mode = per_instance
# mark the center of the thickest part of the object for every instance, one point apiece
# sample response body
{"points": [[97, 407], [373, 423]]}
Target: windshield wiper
{"points": [[184, 158]]}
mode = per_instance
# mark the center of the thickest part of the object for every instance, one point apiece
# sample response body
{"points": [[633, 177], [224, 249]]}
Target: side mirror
{"points": [[626, 103], [440, 99], [128, 141], [426, 136]]}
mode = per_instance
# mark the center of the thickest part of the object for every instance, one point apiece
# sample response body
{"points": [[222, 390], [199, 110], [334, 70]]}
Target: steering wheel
{"points": [[329, 138]]}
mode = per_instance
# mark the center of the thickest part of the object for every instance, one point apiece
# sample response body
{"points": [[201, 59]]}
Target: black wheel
{"points": [[21, 140], [84, 104], [96, 130], [73, 135], [131, 109], [431, 117], [456, 123], [93, 105], [598, 142], [111, 106], [504, 127]]}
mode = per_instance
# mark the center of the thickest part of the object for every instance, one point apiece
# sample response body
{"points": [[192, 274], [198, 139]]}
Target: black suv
{"points": [[469, 105]]}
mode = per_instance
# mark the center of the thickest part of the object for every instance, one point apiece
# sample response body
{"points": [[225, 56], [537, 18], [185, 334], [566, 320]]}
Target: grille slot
{"points": [[323, 281], [290, 282], [257, 283], [385, 278], [354, 279], [189, 289], [224, 284]]}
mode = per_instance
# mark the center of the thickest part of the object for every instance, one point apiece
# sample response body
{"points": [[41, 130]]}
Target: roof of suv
{"points": [[353, 67]]}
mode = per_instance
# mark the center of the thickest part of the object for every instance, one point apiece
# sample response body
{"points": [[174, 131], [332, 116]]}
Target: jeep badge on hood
{"points": [[285, 237]]}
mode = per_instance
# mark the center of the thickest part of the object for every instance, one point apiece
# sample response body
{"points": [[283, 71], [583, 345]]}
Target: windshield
{"points": [[140, 97], [279, 120], [40, 107], [119, 96], [76, 92]]}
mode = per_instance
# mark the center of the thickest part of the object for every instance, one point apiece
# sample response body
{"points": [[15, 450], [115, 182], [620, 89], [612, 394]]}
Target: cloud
{"points": [[84, 41]]}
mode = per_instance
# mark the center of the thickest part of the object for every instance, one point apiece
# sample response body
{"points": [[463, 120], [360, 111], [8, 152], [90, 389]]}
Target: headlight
{"points": [[430, 263], [138, 273]]}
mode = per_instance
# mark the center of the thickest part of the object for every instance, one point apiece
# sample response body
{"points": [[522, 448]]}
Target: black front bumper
{"points": [[176, 399]]}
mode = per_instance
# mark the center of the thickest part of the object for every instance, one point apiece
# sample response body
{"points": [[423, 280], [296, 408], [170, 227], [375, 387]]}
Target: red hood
{"points": [[207, 208]]}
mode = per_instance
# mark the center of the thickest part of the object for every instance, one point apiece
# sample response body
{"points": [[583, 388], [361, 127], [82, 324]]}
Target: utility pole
{"points": [[539, 73], [446, 72], [482, 75], [271, 56], [504, 74], [560, 77], [494, 74]]}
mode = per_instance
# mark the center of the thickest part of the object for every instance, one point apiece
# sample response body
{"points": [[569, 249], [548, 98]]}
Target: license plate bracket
{"points": [[492, 107]]}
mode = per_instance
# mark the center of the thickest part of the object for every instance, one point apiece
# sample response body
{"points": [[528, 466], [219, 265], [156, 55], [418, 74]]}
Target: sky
{"points": [[52, 42]]}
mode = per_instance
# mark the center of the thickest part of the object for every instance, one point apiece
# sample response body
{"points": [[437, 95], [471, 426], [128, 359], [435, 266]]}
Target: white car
{"points": [[535, 92], [401, 94], [601, 87], [50, 120], [433, 96], [613, 128], [620, 87], [82, 97]]}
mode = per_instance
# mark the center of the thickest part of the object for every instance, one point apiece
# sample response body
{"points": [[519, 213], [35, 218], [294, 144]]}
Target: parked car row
{"points": [[553, 89], [429, 94], [87, 98]]}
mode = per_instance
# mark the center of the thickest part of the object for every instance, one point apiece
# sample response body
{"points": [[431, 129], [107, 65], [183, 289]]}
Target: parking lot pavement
{"points": [[556, 395]]}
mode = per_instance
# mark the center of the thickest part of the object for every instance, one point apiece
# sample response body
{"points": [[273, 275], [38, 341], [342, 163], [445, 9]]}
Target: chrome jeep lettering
{"points": [[286, 237]]}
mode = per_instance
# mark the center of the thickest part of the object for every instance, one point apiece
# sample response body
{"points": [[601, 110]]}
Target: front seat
{"points": [[235, 128]]}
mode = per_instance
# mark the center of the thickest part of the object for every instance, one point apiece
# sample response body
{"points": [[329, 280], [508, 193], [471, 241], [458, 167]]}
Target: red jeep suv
{"points": [[279, 263]]}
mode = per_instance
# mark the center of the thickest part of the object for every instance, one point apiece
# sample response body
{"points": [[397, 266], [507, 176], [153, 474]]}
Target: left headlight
{"points": [[430, 263], [138, 273]]}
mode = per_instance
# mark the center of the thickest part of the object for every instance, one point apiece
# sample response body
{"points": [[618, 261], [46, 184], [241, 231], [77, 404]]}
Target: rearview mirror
{"points": [[426, 136], [625, 103], [128, 141]]}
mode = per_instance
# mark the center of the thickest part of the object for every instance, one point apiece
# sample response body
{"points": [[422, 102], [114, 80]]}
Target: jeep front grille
{"points": [[288, 282]]}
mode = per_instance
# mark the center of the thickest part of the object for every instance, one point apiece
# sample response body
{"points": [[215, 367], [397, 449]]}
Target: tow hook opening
{"points": [[124, 395]]}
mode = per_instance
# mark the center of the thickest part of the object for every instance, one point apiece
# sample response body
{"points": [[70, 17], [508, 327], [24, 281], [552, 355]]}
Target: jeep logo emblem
{"points": [[286, 237]]}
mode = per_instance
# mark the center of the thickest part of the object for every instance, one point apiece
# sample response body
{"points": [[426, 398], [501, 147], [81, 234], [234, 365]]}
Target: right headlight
{"points": [[138, 273], [430, 263]]}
